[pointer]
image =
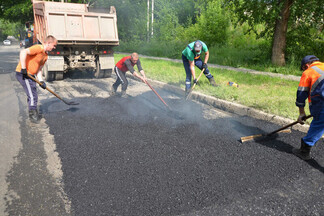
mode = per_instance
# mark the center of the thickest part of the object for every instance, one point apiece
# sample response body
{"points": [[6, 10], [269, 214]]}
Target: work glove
{"points": [[24, 73], [301, 119], [42, 84], [205, 66], [195, 81]]}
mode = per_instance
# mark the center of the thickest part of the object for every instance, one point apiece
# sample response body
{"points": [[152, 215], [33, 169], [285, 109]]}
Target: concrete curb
{"points": [[232, 107]]}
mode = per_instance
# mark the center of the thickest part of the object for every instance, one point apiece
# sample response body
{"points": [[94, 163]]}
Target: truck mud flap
{"points": [[106, 62], [55, 63]]}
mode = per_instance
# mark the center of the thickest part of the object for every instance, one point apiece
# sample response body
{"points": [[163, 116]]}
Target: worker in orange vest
{"points": [[31, 62], [311, 86]]}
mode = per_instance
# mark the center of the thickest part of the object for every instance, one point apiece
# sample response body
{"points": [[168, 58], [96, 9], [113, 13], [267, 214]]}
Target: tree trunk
{"points": [[280, 34]]}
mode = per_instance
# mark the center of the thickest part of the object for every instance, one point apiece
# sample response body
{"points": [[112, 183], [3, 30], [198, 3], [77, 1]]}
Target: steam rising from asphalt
{"points": [[144, 107]]}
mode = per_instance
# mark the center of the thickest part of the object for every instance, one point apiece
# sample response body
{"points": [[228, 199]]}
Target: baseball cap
{"points": [[198, 46], [307, 59]]}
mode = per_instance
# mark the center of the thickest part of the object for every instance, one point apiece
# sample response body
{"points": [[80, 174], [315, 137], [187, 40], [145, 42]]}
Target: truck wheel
{"points": [[58, 75], [98, 73], [49, 75], [108, 73]]}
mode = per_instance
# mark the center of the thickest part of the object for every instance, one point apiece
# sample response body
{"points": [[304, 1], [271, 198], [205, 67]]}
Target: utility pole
{"points": [[148, 21], [152, 18]]}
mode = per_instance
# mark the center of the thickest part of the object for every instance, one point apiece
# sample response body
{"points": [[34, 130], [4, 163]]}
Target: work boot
{"points": [[34, 116], [123, 94], [303, 152], [112, 91], [212, 82]]}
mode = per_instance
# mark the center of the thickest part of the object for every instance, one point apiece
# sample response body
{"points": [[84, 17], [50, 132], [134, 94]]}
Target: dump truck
{"points": [[85, 38]]}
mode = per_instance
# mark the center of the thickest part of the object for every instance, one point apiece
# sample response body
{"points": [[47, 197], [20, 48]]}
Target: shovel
{"points": [[248, 138], [56, 95], [194, 85]]}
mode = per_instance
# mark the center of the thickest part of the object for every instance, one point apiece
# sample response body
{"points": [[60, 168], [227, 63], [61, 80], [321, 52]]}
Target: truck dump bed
{"points": [[72, 23]]}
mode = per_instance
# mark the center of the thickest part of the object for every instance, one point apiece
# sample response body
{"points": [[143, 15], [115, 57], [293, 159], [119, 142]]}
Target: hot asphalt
{"points": [[133, 157]]}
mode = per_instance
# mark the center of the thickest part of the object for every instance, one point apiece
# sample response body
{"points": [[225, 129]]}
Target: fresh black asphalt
{"points": [[131, 157]]}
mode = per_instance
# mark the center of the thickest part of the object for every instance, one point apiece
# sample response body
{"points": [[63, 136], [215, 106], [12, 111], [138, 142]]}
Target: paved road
{"points": [[115, 156]]}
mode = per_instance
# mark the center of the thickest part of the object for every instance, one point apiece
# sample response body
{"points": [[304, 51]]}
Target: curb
{"points": [[232, 107]]}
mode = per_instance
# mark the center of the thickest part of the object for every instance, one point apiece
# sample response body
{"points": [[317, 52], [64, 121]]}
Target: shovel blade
{"points": [[71, 103]]}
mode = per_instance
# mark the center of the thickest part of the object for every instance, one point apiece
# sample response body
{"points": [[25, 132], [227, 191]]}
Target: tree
{"points": [[211, 24], [16, 10], [281, 18], [21, 10], [280, 32], [10, 28], [131, 17]]}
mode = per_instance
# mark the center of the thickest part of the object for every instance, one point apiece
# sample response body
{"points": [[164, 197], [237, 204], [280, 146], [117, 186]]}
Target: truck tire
{"points": [[98, 73], [107, 73], [48, 75]]}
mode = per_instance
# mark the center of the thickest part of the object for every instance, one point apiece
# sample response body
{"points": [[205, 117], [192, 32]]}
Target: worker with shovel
{"points": [[126, 64], [31, 61], [191, 57], [311, 86]]}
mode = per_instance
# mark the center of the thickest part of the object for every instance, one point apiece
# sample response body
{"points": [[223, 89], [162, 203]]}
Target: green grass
{"points": [[272, 95], [253, 56]]}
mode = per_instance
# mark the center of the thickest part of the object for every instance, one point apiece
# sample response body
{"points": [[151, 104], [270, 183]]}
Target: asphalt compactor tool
{"points": [[270, 135]]}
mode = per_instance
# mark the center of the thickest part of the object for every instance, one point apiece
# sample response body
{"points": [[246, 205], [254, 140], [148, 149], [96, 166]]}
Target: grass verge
{"points": [[269, 94]]}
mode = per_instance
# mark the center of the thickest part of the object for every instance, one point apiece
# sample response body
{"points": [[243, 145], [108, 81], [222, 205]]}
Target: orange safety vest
{"points": [[311, 86]]}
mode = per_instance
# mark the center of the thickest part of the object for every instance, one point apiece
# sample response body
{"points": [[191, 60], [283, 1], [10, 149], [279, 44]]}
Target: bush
{"points": [[211, 27], [170, 49]]}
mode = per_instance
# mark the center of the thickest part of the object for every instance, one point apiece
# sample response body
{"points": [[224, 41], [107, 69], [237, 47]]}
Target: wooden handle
{"points": [[48, 89], [157, 95], [248, 138], [194, 85], [287, 126]]}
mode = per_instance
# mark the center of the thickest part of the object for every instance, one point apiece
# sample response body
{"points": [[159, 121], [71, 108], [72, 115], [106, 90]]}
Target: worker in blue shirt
{"points": [[311, 86]]}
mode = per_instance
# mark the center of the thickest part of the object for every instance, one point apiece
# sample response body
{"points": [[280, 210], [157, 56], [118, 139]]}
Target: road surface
{"points": [[116, 156]]}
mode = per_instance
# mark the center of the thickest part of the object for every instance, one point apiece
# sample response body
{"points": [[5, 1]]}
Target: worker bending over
{"points": [[126, 64], [31, 62], [311, 86], [191, 57]]}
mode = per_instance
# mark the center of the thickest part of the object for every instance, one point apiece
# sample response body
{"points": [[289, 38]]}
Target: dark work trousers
{"points": [[30, 89], [316, 130], [121, 79], [199, 64]]}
